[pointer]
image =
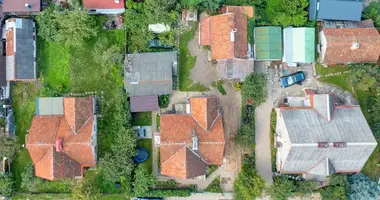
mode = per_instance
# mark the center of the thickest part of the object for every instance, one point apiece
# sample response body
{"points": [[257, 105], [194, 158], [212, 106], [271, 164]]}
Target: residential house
{"points": [[106, 7], [268, 43], [20, 49], [191, 141], [62, 139], [21, 7], [147, 75], [349, 45], [317, 137], [299, 46], [368, 23], [226, 35], [349, 10]]}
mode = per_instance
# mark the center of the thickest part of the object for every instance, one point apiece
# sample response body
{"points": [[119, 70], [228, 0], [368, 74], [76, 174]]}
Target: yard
{"points": [[147, 144], [330, 70], [142, 119]]}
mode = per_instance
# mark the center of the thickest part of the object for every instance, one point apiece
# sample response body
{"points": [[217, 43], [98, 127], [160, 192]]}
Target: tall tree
{"points": [[287, 12], [372, 11], [143, 181], [8, 147], [255, 87], [362, 188]]}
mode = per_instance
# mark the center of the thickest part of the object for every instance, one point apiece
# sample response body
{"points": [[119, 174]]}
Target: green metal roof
{"points": [[268, 43], [309, 45]]}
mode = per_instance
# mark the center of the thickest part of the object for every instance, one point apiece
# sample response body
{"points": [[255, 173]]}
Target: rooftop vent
{"points": [[28, 6], [323, 144], [355, 45], [195, 141], [339, 144]]}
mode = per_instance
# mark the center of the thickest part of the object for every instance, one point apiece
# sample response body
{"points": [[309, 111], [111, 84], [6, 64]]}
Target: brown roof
{"points": [[340, 42], [19, 6], [219, 28], [216, 32], [74, 128], [178, 158]]}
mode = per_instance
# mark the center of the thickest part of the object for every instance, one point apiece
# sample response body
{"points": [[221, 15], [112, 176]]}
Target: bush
{"points": [[246, 134], [163, 100], [306, 187], [255, 87], [180, 192], [362, 188], [6, 185], [214, 186], [372, 11], [8, 147], [273, 122], [282, 188], [221, 88], [238, 86], [337, 189]]}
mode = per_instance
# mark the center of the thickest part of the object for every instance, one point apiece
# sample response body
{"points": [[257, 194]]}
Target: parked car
{"points": [[141, 132], [289, 80]]}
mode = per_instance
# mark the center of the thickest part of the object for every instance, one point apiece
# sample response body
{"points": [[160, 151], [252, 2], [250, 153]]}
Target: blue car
{"points": [[289, 80]]}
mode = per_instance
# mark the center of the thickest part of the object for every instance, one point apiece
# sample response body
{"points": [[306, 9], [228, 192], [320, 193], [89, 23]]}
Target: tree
{"points": [[365, 76], [210, 5], [163, 100], [6, 185], [28, 179], [71, 26], [8, 148], [337, 189], [374, 111], [287, 12], [255, 87], [372, 11], [86, 189], [143, 181], [362, 188], [248, 185], [281, 189]]}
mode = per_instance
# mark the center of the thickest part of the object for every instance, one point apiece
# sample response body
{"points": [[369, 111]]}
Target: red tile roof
{"points": [[19, 6], [178, 158], [219, 28], [340, 42], [74, 128], [103, 4]]}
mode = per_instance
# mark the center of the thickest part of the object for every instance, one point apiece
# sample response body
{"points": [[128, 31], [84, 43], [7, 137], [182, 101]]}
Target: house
{"points": [[368, 23], [21, 7], [317, 138], [349, 45], [299, 45], [62, 139], [348, 10], [268, 43], [106, 7], [148, 75], [20, 49], [191, 141], [226, 35]]}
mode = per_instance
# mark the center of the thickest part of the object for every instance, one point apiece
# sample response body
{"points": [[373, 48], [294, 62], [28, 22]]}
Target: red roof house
{"points": [[104, 6], [226, 34], [349, 45], [21, 6], [191, 142], [62, 137]]}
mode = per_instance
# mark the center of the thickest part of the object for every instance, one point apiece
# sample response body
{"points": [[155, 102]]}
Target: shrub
{"points": [[214, 186], [306, 187], [221, 88], [163, 100], [362, 188], [238, 86], [255, 87], [179, 192], [282, 188], [337, 188], [6, 185], [171, 183]]}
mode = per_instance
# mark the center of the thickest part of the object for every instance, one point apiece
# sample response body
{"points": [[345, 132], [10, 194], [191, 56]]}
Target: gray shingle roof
{"points": [[335, 10], [144, 103], [147, 74], [25, 47]]}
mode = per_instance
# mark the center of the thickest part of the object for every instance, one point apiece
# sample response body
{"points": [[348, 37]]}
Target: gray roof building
{"points": [[349, 10], [20, 49], [147, 74], [144, 103], [317, 138]]}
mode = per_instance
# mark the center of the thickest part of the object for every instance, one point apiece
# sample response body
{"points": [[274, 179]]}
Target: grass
{"points": [[330, 70], [221, 88], [214, 186], [22, 196], [186, 64], [24, 100], [147, 144], [343, 81], [142, 119], [273, 122]]}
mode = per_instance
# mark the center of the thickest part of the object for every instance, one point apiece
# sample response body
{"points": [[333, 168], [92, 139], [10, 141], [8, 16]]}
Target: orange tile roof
{"points": [[204, 29], [220, 28], [77, 149], [339, 45], [177, 132]]}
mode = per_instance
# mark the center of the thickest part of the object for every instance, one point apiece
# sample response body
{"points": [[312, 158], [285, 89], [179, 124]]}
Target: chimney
{"points": [[355, 45], [58, 145], [117, 1]]}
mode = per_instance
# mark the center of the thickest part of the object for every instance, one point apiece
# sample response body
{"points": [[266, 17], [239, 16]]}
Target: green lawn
{"points": [[343, 81], [142, 119], [186, 64], [331, 69], [147, 144]]}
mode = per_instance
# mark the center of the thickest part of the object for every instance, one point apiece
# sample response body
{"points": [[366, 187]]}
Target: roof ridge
{"points": [[199, 156], [173, 155], [86, 122]]}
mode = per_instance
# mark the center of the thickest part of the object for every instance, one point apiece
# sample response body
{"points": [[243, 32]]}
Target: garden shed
{"points": [[299, 45], [268, 43]]}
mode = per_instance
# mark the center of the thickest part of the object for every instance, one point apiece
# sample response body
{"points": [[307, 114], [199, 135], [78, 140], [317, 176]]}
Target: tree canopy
{"points": [[143, 181], [287, 12], [6, 185], [255, 87], [8, 147], [372, 11], [337, 189], [71, 26], [362, 188]]}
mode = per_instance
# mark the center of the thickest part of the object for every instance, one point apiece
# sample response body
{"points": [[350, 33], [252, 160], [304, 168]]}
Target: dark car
{"points": [[289, 80]]}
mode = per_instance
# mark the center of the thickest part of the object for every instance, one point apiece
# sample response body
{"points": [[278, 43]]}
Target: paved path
{"points": [[262, 129], [204, 196]]}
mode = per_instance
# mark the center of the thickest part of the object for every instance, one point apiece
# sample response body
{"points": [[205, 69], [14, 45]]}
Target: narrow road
{"points": [[262, 129]]}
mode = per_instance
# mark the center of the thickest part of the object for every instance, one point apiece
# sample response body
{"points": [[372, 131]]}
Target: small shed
{"points": [[268, 43], [299, 45], [144, 103]]}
